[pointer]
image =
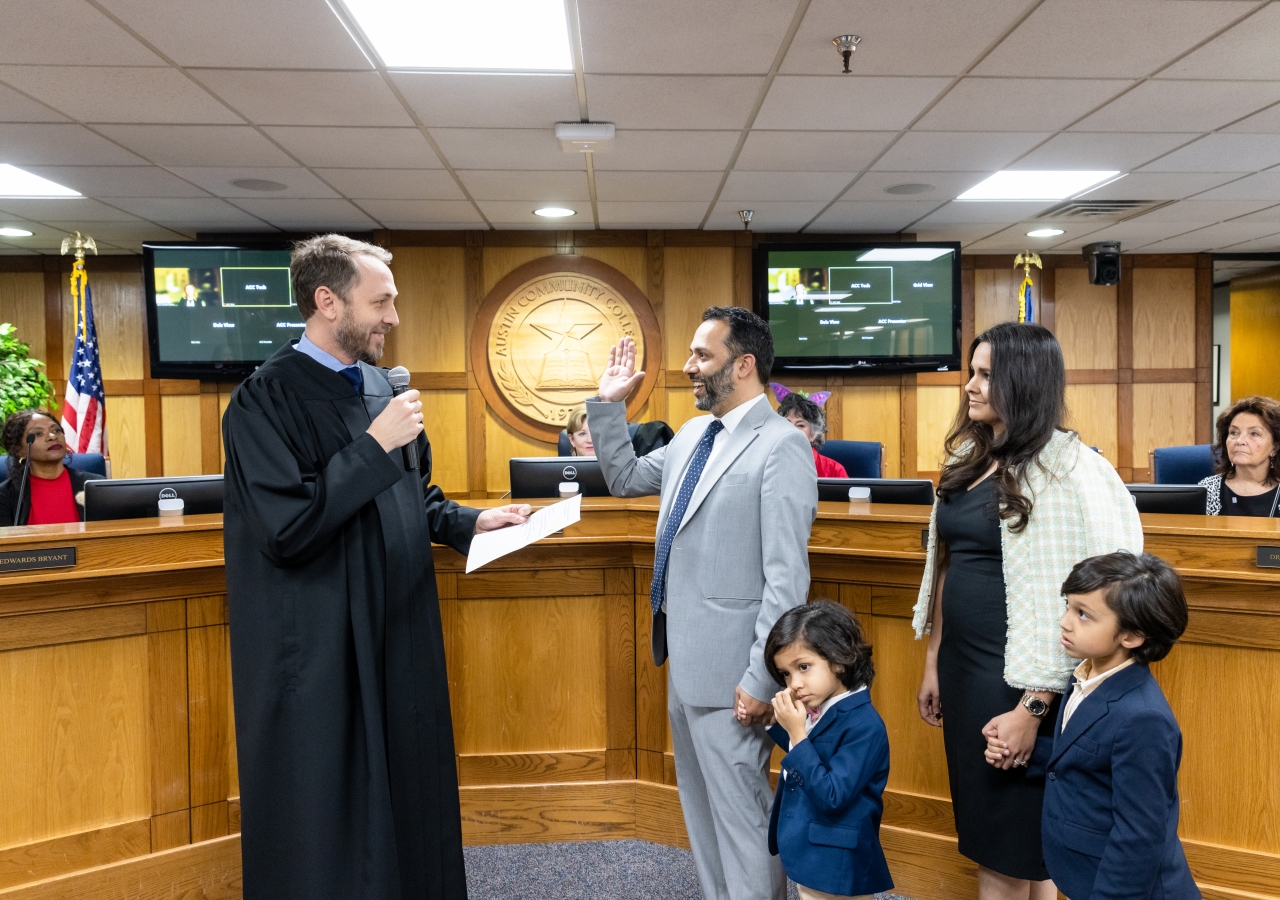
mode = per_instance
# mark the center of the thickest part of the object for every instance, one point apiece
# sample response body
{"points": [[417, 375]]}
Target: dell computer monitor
{"points": [[911, 491], [139, 498], [1175, 499], [541, 476]]}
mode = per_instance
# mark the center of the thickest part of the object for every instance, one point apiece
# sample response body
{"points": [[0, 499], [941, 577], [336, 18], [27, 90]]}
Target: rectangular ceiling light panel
{"points": [[16, 183], [500, 35], [904, 254], [1035, 185]]}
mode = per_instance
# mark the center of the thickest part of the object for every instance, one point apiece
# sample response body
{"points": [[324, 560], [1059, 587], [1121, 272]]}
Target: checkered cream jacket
{"points": [[1080, 508]]}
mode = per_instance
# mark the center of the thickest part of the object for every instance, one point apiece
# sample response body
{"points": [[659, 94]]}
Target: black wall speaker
{"points": [[1104, 262]]}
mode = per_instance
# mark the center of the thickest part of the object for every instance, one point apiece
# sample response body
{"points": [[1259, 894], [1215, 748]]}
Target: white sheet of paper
{"points": [[487, 547]]}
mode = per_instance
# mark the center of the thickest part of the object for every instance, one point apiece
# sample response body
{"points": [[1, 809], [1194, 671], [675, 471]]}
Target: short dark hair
{"points": [[14, 437], [748, 333], [328, 260], [1264, 408], [1145, 594], [807, 410], [830, 631]]}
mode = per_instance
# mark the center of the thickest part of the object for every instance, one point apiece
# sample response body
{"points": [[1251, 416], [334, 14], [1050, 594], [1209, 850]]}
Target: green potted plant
{"points": [[23, 384]]}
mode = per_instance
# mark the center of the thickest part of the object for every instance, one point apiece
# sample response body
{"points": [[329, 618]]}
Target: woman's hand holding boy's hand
{"points": [[1013, 735], [791, 715]]}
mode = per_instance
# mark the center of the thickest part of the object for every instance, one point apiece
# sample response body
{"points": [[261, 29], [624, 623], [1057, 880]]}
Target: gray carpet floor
{"points": [[590, 870]]}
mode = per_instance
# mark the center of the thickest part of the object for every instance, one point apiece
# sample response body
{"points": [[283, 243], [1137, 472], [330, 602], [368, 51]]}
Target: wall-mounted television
{"points": [[217, 310], [854, 307]]}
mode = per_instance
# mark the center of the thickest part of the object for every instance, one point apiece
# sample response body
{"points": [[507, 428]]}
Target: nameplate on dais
{"points": [[1268, 557], [43, 558]]}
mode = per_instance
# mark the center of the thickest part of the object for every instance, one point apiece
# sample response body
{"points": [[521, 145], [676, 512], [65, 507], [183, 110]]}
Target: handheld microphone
{"points": [[399, 380], [26, 478]]}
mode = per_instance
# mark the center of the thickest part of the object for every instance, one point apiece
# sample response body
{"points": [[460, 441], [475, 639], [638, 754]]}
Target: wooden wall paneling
{"points": [[477, 455], [180, 429], [1047, 309], [655, 288], [908, 429], [209, 822], [651, 688], [630, 261], [995, 296], [1255, 334], [22, 305], [935, 410], [1092, 411], [874, 413], [968, 302], [742, 270], [119, 314], [224, 400], [1164, 318], [1085, 320], [445, 415], [502, 442], [74, 755], [620, 673], [127, 435], [60, 855], [680, 401], [168, 718], [1125, 452], [55, 365], [66, 626], [555, 812], [1204, 348], [432, 306], [1153, 426], [209, 721], [498, 261], [210, 430], [695, 278]]}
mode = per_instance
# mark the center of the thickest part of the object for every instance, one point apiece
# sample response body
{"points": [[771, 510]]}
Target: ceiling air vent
{"points": [[1100, 209]]}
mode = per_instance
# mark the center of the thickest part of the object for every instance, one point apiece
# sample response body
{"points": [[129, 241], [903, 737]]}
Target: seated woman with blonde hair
{"points": [[579, 435]]}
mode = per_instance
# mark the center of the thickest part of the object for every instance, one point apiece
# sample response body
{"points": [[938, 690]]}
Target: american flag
{"points": [[83, 411]]}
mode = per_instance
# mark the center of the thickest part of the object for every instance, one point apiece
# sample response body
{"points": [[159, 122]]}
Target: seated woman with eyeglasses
{"points": [[54, 491]]}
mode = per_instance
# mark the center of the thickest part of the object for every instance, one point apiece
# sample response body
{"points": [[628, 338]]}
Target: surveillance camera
{"points": [[1103, 258]]}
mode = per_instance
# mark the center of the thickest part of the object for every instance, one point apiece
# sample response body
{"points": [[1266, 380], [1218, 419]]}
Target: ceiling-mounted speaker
{"points": [[1103, 258]]}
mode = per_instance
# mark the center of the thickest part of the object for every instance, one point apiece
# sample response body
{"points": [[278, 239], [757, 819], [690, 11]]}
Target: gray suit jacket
{"points": [[741, 558]]}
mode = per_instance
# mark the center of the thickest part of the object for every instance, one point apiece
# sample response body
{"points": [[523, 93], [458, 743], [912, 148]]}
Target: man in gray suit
{"points": [[739, 495]]}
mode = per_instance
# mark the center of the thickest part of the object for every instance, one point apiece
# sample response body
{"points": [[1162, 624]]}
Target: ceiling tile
{"points": [[282, 34], [752, 187], [1015, 237], [812, 151], [853, 103], [543, 187], [651, 214], [657, 186], [1160, 185], [769, 216], [307, 98], [1263, 186], [1268, 244], [1215, 237], [306, 215], [119, 181], [965, 234], [1202, 212], [1098, 38], [994, 212], [1247, 50], [198, 145], [206, 213], [875, 216], [1270, 213], [1135, 234], [118, 94], [359, 148], [72, 209], [669, 150], [956, 151], [1216, 152], [433, 226], [946, 186], [61, 145], [1100, 152], [298, 182], [504, 148], [1018, 104], [393, 184], [121, 233], [508, 212], [423, 213], [1265, 122], [67, 33], [490, 100], [16, 108], [672, 101], [905, 37], [620, 35], [1182, 106]]}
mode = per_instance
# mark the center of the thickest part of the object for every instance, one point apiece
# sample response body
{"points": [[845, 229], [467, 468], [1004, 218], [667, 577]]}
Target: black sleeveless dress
{"points": [[997, 812]]}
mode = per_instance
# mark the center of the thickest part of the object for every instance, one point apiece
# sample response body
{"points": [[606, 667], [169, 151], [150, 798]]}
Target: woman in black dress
{"points": [[1020, 501], [1246, 472]]}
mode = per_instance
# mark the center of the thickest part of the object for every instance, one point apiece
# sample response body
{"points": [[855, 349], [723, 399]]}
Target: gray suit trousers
{"points": [[722, 770]]}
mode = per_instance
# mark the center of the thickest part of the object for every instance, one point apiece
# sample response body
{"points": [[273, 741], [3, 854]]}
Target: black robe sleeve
{"points": [[450, 524]]}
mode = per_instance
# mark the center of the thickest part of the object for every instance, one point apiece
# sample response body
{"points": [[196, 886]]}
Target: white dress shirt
{"points": [[1086, 685]]}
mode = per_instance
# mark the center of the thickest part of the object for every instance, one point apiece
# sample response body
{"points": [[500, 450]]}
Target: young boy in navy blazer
{"points": [[1110, 821], [826, 814]]}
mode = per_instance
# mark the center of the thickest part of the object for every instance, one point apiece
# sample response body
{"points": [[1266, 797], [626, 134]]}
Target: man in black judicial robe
{"points": [[347, 775]]}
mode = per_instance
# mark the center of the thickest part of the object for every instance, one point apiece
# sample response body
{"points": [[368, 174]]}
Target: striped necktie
{"points": [[658, 590]]}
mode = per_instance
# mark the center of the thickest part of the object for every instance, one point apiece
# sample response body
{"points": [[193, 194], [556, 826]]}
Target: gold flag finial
{"points": [[79, 245], [1026, 259]]}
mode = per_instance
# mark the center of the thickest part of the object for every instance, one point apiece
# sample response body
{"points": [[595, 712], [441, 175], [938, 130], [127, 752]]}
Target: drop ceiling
{"points": [[154, 108]]}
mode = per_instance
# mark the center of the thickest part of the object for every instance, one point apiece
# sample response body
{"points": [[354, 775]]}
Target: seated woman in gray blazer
{"points": [[1247, 481]]}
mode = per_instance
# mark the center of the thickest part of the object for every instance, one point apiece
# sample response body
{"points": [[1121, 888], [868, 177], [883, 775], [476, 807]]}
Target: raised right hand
{"points": [[399, 423], [620, 376], [929, 698]]}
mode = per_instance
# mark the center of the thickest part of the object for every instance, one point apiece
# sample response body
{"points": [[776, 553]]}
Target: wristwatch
{"points": [[1035, 706]]}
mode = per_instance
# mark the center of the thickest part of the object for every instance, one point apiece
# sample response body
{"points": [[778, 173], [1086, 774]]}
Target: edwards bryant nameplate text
{"points": [[1268, 557], [44, 558]]}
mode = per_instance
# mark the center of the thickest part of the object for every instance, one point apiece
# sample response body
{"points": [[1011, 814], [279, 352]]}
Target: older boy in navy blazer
{"points": [[1110, 821]]}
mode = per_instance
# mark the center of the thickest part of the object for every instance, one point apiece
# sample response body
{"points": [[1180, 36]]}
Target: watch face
{"points": [[1037, 707]]}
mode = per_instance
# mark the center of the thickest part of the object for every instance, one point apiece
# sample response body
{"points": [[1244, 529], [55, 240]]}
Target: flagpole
{"points": [[90, 414]]}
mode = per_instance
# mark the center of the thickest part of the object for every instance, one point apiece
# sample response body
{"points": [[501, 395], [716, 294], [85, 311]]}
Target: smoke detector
{"points": [[585, 137]]}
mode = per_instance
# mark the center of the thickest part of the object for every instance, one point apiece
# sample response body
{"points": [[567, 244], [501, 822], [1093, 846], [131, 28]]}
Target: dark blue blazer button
{"points": [[1053, 776]]}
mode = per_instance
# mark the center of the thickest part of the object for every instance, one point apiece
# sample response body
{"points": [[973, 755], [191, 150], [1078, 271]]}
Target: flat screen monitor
{"points": [[541, 476], [912, 491], [861, 307], [217, 311], [139, 498], [1175, 499]]}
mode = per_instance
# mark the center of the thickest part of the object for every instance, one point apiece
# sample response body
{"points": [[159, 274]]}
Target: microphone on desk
{"points": [[26, 479], [399, 379]]}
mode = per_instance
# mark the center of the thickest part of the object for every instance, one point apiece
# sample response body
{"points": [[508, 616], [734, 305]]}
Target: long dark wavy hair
{"points": [[1027, 391]]}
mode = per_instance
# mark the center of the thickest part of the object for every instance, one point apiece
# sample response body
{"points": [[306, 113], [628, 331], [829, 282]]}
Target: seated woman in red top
{"points": [[55, 492], [807, 416]]}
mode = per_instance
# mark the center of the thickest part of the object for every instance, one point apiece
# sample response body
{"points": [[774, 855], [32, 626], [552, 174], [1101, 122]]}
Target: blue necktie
{"points": [[353, 374], [658, 590]]}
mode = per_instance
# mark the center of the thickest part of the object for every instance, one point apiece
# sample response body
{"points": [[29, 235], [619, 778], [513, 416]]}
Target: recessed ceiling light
{"points": [[259, 184], [520, 35], [1045, 232], [16, 183], [1035, 185], [904, 254], [554, 212], [14, 232], [909, 188]]}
